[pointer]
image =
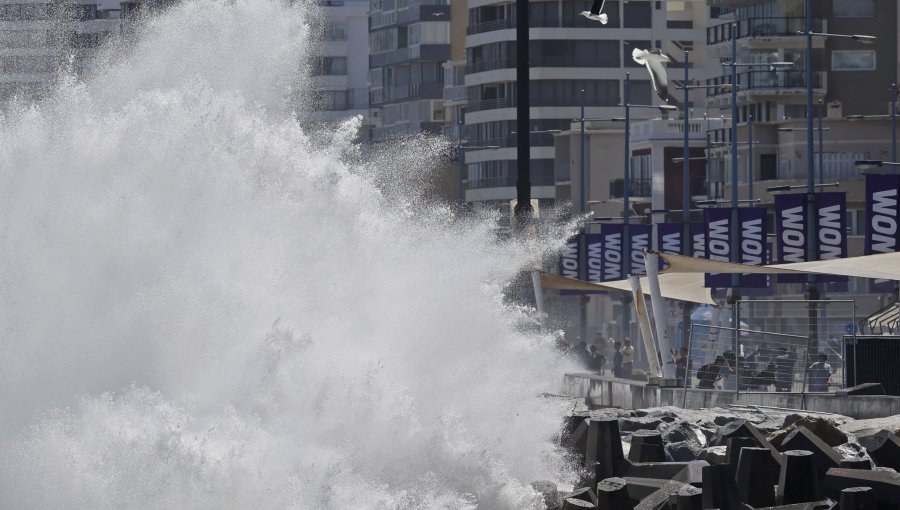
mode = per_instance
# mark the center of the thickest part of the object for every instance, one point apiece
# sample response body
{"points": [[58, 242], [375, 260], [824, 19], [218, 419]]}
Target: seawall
{"points": [[602, 390]]}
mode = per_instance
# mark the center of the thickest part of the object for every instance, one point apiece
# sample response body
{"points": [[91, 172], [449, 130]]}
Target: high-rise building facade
{"points": [[38, 39], [568, 54], [342, 63], [409, 41]]}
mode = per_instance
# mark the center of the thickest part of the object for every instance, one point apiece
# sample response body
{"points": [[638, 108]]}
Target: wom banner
{"points": [[698, 239], [568, 262], [668, 238], [882, 234], [594, 243], [790, 233], [831, 233], [640, 241], [611, 238], [718, 243], [753, 243]]}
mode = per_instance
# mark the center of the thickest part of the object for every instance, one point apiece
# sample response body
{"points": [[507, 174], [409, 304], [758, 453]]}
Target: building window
{"points": [[331, 66], [335, 30], [854, 8], [853, 60], [638, 15]]}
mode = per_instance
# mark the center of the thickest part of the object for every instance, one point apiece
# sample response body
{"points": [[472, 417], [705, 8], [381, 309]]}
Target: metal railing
{"points": [[636, 188], [762, 27], [510, 63], [769, 79], [780, 346], [490, 104], [490, 26]]}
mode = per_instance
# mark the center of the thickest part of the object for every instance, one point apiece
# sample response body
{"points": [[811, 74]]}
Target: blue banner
{"points": [[640, 241], [698, 239], [568, 262], [790, 233], [831, 234], [611, 238], [752, 242], [882, 218], [594, 243], [668, 238], [718, 243]]}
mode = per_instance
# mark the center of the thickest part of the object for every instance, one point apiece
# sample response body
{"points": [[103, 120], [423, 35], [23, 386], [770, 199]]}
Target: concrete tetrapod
{"points": [[687, 498], [647, 446], [885, 485], [612, 494], [719, 490], [574, 504], [856, 498], [603, 452], [757, 474], [824, 456], [798, 482]]}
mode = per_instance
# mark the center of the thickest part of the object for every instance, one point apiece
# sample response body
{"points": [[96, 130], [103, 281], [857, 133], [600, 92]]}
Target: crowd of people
{"points": [[602, 355], [760, 368]]}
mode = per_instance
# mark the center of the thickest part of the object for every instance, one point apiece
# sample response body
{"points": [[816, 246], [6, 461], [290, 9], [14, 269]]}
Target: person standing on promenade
{"points": [[617, 359], [627, 358], [819, 374]]}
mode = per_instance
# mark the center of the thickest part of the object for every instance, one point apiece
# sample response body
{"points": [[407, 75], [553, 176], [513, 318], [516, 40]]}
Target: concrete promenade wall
{"points": [[609, 391]]}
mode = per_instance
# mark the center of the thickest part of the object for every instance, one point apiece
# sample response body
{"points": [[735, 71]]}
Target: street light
{"points": [[813, 293], [869, 164], [788, 187], [893, 116]]}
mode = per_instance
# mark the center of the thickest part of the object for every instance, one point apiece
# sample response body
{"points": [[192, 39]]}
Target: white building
{"points": [[343, 62], [37, 38]]}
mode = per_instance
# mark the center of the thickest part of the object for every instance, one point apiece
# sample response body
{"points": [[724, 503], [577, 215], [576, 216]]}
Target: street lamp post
{"points": [[811, 245], [750, 157], [582, 242]]}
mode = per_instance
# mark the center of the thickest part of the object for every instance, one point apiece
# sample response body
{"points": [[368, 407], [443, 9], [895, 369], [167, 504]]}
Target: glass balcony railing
{"points": [[766, 79], [762, 27], [636, 188]]}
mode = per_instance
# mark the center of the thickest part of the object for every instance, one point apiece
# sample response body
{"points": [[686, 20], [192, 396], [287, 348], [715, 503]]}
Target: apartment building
{"points": [[409, 41], [38, 38], [849, 78], [568, 54], [342, 64]]}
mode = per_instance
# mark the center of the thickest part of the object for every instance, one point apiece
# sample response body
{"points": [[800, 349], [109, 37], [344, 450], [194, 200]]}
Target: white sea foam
{"points": [[202, 306]]}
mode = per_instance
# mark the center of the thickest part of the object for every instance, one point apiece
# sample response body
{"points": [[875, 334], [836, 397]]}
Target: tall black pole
{"points": [[750, 157], [686, 199], [582, 240], [733, 256], [626, 211], [813, 292], [523, 209]]}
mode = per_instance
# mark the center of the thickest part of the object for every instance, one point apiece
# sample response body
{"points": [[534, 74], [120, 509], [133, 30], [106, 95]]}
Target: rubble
{"points": [[737, 459]]}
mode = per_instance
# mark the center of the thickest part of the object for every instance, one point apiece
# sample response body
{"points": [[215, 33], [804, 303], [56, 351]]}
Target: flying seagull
{"points": [[595, 12], [653, 59]]}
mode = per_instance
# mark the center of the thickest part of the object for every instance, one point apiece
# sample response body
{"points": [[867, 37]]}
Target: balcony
{"points": [[433, 52], [771, 82], [490, 104], [455, 93], [636, 188], [419, 90], [490, 26], [540, 61], [762, 27]]}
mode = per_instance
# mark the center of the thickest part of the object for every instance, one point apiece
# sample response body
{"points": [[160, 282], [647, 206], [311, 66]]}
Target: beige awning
{"points": [[683, 287], [885, 266]]}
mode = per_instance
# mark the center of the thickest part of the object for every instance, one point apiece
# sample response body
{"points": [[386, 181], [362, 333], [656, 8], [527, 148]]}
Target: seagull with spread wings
{"points": [[596, 12], [653, 59]]}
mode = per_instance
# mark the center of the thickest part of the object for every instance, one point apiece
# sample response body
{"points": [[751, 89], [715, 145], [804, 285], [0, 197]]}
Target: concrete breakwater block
{"points": [[813, 505], [856, 498], [798, 481], [647, 446], [824, 456], [855, 464], [885, 485], [883, 447], [612, 494], [757, 474], [687, 498], [584, 494], [574, 504], [719, 489], [734, 447]]}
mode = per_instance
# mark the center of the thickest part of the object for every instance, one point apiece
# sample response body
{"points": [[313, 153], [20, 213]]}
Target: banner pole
{"points": [[660, 313], [644, 322]]}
